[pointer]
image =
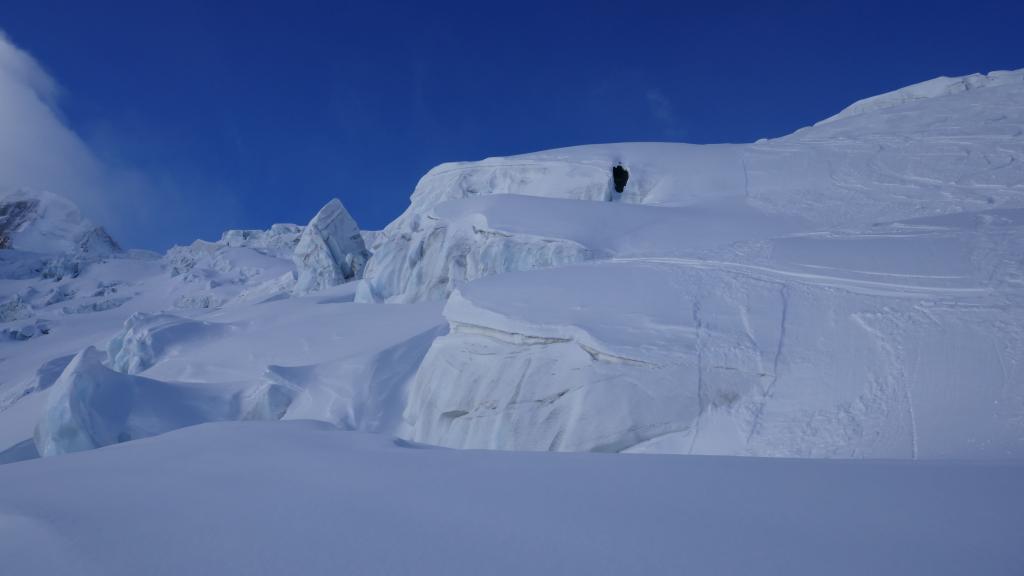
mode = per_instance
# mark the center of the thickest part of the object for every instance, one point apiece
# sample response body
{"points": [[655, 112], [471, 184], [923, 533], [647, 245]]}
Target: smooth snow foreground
{"points": [[303, 498]]}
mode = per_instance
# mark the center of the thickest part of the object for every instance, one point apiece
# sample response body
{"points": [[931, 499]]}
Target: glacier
{"points": [[699, 310], [836, 316], [853, 289]]}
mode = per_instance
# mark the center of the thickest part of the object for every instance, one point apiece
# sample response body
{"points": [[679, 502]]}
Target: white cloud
{"points": [[663, 112], [37, 150]]}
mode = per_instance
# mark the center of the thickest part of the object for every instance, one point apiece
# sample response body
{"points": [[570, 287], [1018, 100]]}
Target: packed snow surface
{"points": [[303, 498]]}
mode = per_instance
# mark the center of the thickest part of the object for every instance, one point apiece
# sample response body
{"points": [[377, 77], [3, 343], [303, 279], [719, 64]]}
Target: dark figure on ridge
{"points": [[619, 177]]}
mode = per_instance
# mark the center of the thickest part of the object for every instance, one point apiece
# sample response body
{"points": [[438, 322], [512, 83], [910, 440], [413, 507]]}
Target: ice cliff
{"points": [[854, 289]]}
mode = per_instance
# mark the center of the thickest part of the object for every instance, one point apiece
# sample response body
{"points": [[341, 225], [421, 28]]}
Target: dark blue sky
{"points": [[264, 110]]}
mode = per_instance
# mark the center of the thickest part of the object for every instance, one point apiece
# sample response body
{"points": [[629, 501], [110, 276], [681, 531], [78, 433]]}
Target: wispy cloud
{"points": [[37, 149], [663, 112]]}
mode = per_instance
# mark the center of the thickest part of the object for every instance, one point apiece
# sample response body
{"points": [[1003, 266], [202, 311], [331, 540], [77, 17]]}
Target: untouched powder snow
{"points": [[302, 498]]}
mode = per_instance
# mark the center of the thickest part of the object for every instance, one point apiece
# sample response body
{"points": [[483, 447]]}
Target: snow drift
{"points": [[91, 406]]}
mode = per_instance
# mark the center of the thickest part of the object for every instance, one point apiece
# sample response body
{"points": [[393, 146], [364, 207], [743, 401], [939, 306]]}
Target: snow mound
{"points": [[145, 338], [363, 392], [91, 406], [331, 250], [934, 88]]}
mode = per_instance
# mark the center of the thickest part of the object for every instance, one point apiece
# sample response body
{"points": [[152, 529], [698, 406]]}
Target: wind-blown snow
{"points": [[90, 406]]}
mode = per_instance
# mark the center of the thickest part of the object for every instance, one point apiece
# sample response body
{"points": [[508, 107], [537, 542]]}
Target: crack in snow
{"points": [[770, 389], [699, 331]]}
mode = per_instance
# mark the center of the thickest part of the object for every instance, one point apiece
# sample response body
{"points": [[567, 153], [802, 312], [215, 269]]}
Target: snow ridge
{"points": [[934, 88]]}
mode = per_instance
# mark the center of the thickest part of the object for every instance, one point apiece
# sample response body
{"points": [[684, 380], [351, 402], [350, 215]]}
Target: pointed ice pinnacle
{"points": [[331, 250]]}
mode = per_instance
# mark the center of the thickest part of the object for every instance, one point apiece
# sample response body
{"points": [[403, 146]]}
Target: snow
{"points": [[696, 356], [330, 250], [920, 157], [844, 291], [848, 300], [147, 337], [213, 322], [934, 88], [299, 497], [91, 405], [37, 221], [281, 360], [854, 289]]}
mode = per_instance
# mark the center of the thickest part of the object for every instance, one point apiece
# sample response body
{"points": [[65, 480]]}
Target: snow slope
{"points": [[302, 498], [210, 331], [36, 221], [855, 289], [935, 88], [924, 157]]}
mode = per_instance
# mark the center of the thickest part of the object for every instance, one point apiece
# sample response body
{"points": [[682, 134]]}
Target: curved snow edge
{"points": [[934, 88]]}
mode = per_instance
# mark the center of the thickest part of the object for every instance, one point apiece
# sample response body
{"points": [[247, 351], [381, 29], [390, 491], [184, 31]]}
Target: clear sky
{"points": [[240, 114]]}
